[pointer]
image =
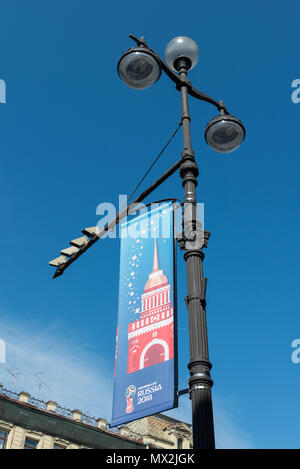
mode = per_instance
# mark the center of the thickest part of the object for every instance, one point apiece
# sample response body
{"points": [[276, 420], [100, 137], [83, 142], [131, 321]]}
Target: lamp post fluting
{"points": [[200, 382]]}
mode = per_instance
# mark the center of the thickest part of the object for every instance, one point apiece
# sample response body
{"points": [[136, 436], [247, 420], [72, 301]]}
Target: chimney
{"points": [[51, 406], [24, 396], [76, 415], [101, 423]]}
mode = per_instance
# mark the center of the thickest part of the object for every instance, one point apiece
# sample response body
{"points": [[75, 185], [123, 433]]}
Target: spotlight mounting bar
{"points": [[62, 263]]}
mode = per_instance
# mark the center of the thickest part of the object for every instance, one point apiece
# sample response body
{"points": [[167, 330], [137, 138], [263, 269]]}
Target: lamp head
{"points": [[225, 133], [181, 47], [138, 68]]}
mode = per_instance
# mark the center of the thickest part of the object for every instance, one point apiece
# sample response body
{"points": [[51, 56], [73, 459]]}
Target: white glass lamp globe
{"points": [[181, 46]]}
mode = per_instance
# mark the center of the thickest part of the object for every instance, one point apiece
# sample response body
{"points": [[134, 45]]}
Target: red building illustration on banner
{"points": [[150, 338]]}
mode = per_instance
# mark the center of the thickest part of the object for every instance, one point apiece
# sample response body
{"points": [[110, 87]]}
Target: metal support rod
{"points": [[181, 392], [110, 226], [200, 382]]}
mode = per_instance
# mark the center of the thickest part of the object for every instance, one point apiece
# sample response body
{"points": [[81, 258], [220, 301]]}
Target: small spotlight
{"points": [[79, 242], [58, 261], [90, 232], [69, 251]]}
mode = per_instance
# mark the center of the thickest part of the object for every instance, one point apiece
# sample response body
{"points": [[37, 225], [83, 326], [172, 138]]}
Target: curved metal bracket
{"points": [[194, 92]]}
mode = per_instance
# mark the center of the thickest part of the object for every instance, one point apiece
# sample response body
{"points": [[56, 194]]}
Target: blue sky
{"points": [[73, 136]]}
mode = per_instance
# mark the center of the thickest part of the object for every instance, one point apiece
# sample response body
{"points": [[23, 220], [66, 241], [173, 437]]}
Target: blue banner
{"points": [[145, 379]]}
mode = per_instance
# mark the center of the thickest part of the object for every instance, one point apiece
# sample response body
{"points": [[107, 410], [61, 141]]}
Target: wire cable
{"points": [[155, 161]]}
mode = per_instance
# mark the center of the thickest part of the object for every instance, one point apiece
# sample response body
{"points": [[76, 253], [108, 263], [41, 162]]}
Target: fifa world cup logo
{"points": [[130, 393]]}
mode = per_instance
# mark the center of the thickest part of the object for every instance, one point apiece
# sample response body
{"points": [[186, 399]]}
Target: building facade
{"points": [[160, 431], [28, 423]]}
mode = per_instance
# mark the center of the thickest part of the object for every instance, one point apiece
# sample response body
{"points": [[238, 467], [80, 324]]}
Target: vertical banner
{"points": [[145, 378]]}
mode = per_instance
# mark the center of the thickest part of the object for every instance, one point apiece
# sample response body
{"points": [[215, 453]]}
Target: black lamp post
{"points": [[139, 68]]}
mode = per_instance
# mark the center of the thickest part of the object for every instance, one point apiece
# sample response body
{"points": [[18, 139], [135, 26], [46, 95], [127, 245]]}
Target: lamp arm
{"points": [[194, 92], [204, 97]]}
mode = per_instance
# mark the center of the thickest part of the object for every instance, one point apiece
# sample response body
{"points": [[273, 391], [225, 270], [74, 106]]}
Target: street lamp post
{"points": [[200, 382], [139, 68]]}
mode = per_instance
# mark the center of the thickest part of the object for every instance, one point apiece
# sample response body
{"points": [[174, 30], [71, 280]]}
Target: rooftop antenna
{"points": [[40, 383], [14, 372]]}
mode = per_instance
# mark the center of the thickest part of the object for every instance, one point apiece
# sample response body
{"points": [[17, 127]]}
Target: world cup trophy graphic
{"points": [[130, 393]]}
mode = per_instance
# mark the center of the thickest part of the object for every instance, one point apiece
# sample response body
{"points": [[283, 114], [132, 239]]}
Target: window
{"points": [[179, 443], [3, 439], [55, 446], [30, 444]]}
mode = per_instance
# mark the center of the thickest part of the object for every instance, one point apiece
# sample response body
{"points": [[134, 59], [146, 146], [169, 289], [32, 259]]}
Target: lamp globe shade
{"points": [[224, 133], [138, 68], [181, 47]]}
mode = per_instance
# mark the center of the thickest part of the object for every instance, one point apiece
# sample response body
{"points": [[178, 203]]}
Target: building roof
{"points": [[34, 415]]}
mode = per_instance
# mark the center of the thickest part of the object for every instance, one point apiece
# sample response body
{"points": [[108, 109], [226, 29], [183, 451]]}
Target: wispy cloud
{"points": [[229, 433], [78, 379], [84, 381]]}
